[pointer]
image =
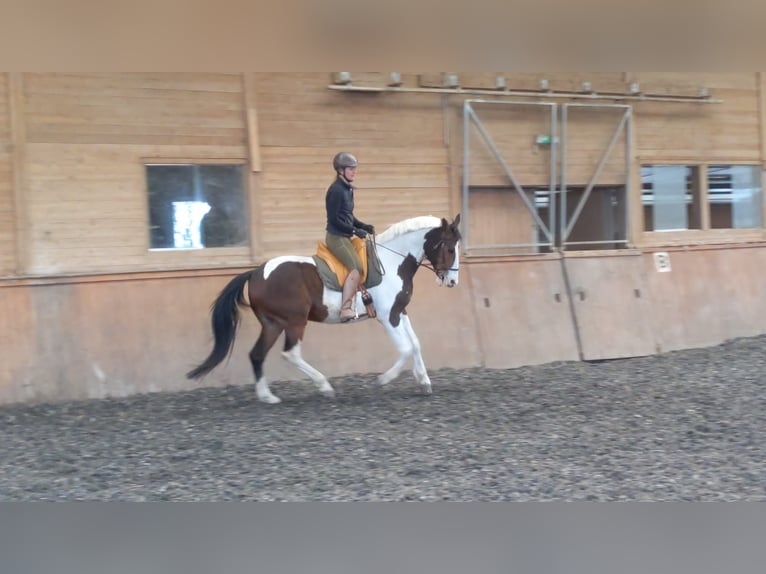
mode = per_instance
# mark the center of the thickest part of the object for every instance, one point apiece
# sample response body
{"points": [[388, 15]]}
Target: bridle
{"points": [[421, 262]]}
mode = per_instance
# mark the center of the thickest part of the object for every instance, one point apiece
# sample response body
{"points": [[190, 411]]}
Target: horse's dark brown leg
{"points": [[270, 332], [293, 337]]}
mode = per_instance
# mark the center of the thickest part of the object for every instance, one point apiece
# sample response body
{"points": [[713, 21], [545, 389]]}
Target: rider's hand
{"points": [[368, 228], [360, 233]]}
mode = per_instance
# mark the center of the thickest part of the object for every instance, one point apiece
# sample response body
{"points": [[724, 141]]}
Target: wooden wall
{"points": [[83, 338], [7, 211], [727, 132], [85, 137], [514, 129], [79, 338], [73, 149], [397, 138], [88, 137], [663, 132]]}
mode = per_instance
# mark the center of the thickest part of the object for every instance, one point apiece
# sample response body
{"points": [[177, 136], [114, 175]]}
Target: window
{"points": [[196, 206], [735, 197], [670, 196]]}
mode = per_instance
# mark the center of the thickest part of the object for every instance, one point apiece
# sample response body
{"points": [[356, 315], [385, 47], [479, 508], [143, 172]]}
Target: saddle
{"points": [[334, 273]]}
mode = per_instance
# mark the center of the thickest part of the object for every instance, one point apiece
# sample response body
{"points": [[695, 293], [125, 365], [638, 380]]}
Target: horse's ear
{"points": [[445, 223], [456, 223]]}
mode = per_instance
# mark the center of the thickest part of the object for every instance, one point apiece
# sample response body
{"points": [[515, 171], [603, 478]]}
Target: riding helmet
{"points": [[343, 160]]}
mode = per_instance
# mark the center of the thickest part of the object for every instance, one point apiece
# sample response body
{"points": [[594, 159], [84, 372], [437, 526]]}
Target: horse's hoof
{"points": [[426, 389], [329, 393], [271, 400]]}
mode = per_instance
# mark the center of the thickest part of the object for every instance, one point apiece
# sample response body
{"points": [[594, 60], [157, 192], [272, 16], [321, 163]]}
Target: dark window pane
{"points": [[195, 206], [225, 224]]}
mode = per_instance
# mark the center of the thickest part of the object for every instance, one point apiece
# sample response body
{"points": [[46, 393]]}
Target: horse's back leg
{"points": [[270, 332], [419, 365], [293, 337]]}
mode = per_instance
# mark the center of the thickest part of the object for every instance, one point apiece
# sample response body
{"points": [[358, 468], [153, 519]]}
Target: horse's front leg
{"points": [[403, 343], [419, 366]]}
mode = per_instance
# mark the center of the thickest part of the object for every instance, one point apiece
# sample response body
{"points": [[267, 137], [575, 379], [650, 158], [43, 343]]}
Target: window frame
{"points": [[200, 258], [705, 234]]}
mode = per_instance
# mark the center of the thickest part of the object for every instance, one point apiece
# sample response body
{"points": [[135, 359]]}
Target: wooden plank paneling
{"points": [[8, 232], [603, 82], [499, 217], [689, 83], [172, 108], [370, 176], [322, 156], [393, 183], [88, 208], [400, 139], [5, 121], [299, 110], [294, 224], [9, 195], [724, 132], [513, 130]]}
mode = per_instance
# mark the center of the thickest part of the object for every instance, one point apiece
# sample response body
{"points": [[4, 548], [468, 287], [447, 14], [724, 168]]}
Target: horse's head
{"points": [[442, 251]]}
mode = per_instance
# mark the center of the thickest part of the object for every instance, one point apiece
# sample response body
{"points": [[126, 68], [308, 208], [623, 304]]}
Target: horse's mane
{"points": [[413, 224]]}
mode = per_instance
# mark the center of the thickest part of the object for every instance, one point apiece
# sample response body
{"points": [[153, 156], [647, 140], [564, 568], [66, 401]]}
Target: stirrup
{"points": [[367, 302]]}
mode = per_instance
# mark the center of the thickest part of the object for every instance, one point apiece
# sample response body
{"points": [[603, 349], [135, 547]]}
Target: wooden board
{"points": [[709, 295], [95, 339], [522, 313], [135, 108], [9, 194], [612, 305], [88, 208]]}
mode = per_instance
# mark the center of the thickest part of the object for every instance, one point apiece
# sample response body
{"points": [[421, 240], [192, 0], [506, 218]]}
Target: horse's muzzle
{"points": [[444, 280]]}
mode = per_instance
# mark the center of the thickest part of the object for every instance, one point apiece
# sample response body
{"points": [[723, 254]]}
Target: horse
{"points": [[287, 292]]}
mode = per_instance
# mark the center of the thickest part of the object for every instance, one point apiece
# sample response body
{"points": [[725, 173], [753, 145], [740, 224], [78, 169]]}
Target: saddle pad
{"points": [[334, 273], [335, 265]]}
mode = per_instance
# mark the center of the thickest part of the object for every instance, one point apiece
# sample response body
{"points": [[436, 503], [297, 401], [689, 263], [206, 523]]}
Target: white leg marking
{"points": [[403, 344], [419, 366], [264, 394], [294, 357]]}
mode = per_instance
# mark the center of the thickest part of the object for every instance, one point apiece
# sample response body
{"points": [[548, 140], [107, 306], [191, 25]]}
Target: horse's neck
{"points": [[409, 244]]}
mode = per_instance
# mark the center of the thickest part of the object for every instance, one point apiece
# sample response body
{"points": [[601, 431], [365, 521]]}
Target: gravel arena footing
{"points": [[685, 425]]}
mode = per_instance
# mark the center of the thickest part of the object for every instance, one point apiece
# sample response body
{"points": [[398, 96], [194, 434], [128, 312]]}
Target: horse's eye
{"points": [[451, 250]]}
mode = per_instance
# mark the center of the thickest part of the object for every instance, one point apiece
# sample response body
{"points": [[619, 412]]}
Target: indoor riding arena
{"points": [[605, 340]]}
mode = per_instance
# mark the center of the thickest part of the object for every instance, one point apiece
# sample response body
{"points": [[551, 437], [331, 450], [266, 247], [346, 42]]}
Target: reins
{"points": [[376, 262], [420, 263]]}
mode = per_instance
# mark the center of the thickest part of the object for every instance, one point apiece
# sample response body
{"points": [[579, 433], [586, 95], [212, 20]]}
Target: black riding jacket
{"points": [[339, 202]]}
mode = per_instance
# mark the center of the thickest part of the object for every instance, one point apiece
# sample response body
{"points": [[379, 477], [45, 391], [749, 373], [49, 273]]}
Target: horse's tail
{"points": [[224, 320]]}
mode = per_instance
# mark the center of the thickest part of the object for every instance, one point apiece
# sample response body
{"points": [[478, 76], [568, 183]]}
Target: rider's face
{"points": [[349, 173]]}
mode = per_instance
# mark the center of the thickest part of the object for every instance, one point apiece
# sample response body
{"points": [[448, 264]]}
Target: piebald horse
{"points": [[287, 292]]}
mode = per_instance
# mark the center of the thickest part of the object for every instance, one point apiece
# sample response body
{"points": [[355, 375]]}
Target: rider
{"points": [[342, 225]]}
